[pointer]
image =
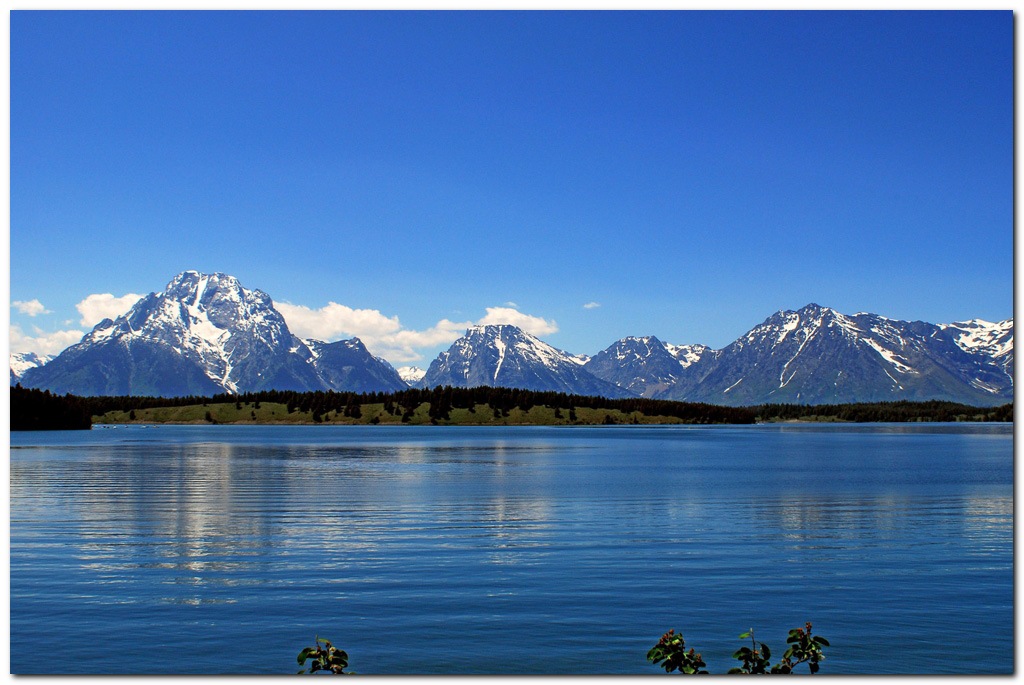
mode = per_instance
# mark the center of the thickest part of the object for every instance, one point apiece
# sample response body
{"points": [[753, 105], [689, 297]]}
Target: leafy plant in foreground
{"points": [[671, 652], [802, 647], [672, 655], [754, 660], [326, 658]]}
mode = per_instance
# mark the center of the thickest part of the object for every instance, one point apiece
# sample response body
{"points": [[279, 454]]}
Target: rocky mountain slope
{"points": [[348, 365], [644, 366]]}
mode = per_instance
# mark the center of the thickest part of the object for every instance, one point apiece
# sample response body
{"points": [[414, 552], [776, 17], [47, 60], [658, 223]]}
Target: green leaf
{"points": [[744, 635], [732, 671], [304, 654], [767, 652], [821, 641]]}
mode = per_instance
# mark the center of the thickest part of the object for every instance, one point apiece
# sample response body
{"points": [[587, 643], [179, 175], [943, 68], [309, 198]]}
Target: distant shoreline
{"points": [[33, 409]]}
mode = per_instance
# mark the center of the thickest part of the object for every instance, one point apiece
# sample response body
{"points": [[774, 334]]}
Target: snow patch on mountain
{"points": [[411, 374], [978, 336], [499, 345], [889, 356], [23, 361], [688, 354]]}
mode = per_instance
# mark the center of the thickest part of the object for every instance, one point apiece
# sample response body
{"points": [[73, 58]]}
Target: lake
{"points": [[524, 550]]}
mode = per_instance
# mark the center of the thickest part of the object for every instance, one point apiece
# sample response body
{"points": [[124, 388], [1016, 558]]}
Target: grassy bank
{"points": [[271, 413]]}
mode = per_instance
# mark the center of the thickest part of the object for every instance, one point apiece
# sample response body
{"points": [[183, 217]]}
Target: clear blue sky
{"points": [[691, 172]]}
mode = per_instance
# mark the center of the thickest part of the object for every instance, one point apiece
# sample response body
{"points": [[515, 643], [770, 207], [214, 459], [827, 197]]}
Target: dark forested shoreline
{"points": [[41, 410]]}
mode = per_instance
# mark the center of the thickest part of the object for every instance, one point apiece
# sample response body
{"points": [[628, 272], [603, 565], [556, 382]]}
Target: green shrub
{"points": [[672, 655], [326, 658]]}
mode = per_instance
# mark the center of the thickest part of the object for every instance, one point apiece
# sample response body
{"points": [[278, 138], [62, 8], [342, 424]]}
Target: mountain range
{"points": [[816, 355], [206, 334]]}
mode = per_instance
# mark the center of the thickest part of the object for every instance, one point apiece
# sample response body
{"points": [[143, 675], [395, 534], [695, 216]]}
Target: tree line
{"points": [[41, 410], [889, 412]]}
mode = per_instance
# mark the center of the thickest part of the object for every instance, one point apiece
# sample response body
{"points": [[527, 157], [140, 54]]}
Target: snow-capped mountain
{"points": [[818, 355], [412, 375], [644, 366], [348, 365], [204, 334], [507, 356], [23, 361]]}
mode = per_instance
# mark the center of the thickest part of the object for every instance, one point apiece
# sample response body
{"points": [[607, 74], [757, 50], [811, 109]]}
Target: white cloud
{"points": [[336, 321], [384, 335], [404, 343], [534, 325], [42, 343], [592, 305], [512, 304], [31, 307], [97, 307]]}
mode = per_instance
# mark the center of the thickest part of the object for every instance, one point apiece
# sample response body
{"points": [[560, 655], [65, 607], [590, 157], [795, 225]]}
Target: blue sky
{"points": [[688, 172]]}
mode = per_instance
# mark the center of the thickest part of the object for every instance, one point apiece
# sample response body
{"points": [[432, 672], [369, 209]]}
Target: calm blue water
{"points": [[510, 550]]}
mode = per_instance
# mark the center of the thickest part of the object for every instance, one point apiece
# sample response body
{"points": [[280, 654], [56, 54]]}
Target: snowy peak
{"points": [[507, 356], [687, 355], [513, 343], [978, 336], [203, 334], [208, 324], [216, 307], [633, 347], [799, 326], [23, 361], [642, 365], [209, 319], [411, 374]]}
